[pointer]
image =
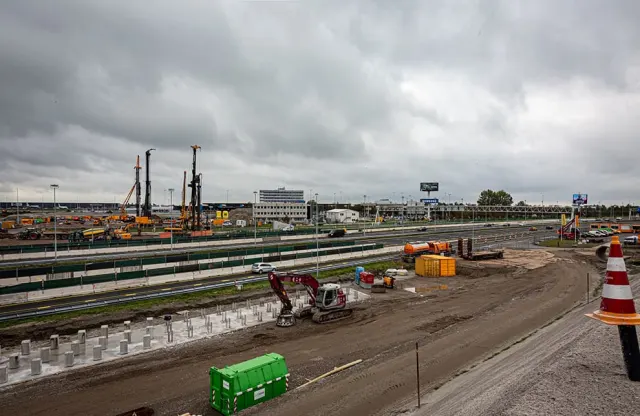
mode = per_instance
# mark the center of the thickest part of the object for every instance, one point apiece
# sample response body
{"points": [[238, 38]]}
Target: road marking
{"points": [[197, 284], [226, 280], [90, 300], [166, 289], [44, 307], [129, 294]]}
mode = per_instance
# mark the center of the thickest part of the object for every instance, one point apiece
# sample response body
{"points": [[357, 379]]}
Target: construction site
{"points": [[458, 309]]}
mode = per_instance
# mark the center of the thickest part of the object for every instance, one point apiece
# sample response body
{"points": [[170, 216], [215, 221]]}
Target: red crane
{"points": [[327, 303]]}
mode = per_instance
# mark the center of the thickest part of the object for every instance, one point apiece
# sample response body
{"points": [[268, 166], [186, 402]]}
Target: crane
{"points": [[123, 207], [327, 303], [195, 181], [137, 185], [146, 209]]}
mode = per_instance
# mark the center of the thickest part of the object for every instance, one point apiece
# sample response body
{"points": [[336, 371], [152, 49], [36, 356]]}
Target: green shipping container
{"points": [[246, 384]]}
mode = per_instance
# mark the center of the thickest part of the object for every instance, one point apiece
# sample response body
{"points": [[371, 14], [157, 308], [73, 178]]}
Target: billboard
{"points": [[580, 199], [428, 186], [429, 200]]}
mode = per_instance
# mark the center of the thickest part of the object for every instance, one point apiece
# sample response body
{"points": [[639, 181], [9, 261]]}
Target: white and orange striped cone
{"points": [[617, 308]]}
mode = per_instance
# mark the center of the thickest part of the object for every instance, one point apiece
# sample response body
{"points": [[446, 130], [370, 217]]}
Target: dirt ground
{"points": [[483, 310], [572, 367]]}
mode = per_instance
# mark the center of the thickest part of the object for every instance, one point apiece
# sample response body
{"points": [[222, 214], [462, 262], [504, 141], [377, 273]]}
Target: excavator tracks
{"points": [[331, 316]]}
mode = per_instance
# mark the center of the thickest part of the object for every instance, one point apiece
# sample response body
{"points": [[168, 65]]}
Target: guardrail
{"points": [[161, 294]]}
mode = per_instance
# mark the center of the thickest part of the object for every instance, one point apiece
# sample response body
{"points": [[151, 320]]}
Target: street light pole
{"points": [[317, 244], [55, 223], [255, 223], [171, 208], [364, 203]]}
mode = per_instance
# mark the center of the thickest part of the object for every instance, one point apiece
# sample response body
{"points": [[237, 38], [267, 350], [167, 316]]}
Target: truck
{"points": [[416, 249]]}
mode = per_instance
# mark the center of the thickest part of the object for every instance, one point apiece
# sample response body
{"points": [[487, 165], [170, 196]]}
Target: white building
{"points": [[278, 211], [342, 216], [281, 195]]}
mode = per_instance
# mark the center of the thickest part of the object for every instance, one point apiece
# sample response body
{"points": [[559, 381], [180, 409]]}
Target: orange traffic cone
{"points": [[617, 308]]}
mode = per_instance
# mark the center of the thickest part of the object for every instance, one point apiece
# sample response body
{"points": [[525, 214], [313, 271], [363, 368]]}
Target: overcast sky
{"points": [[352, 97]]}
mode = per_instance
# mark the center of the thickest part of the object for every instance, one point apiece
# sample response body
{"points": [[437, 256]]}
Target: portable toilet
{"points": [[359, 269], [246, 384]]}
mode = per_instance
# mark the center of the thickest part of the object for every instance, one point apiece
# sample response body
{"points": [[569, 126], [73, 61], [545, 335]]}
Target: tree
{"points": [[490, 197], [521, 204]]}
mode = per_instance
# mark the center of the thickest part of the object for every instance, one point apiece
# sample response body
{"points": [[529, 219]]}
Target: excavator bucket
{"points": [[285, 319]]}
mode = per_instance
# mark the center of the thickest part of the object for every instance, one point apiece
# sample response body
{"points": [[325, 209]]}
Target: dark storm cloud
{"points": [[298, 90]]}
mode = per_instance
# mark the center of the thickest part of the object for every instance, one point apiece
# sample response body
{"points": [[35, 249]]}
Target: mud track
{"points": [[483, 311]]}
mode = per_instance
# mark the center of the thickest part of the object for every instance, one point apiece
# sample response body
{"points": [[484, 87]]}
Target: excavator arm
{"points": [[308, 281]]}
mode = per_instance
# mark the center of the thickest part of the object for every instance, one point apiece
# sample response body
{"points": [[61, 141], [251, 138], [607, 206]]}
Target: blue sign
{"points": [[429, 200]]}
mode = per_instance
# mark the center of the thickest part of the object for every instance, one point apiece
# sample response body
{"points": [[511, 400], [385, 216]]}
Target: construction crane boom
{"points": [[137, 185], [146, 211], [195, 180]]}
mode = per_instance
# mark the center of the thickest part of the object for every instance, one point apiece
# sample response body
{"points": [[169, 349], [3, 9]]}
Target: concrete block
{"points": [[54, 342], [75, 347], [25, 347], [4, 374], [97, 352], [127, 336], [68, 359], [124, 347], [127, 324], [149, 320], [36, 366], [146, 341], [14, 361], [104, 331], [102, 341], [45, 354], [82, 336], [149, 331]]}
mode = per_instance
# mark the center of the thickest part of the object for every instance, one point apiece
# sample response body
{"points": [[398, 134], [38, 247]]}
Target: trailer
{"points": [[485, 255]]}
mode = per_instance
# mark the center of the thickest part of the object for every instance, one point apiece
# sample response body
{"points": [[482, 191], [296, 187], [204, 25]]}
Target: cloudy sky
{"points": [[359, 97]]}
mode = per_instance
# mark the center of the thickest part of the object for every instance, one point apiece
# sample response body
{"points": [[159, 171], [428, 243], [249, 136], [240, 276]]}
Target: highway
{"points": [[201, 284], [397, 237]]}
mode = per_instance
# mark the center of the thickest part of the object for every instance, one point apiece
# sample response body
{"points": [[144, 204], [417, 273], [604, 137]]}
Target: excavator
{"points": [[327, 303]]}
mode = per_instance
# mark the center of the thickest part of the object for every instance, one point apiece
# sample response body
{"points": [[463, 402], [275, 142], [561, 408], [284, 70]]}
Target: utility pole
{"points": [[18, 206], [364, 203], [147, 193], [55, 223], [171, 213], [255, 222]]}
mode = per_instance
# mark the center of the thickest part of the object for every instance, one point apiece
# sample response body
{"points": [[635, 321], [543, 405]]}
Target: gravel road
{"points": [[484, 309]]}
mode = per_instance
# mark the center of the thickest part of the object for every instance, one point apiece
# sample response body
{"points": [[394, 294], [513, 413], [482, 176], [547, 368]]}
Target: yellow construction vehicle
{"points": [[388, 281]]}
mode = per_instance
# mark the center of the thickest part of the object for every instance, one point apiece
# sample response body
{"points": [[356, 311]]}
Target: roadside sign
{"points": [[429, 186], [580, 199], [429, 200]]}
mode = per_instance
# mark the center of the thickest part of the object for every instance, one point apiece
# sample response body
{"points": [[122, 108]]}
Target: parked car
{"points": [[506, 224], [631, 239], [337, 233], [488, 225], [422, 229], [521, 224], [533, 229], [262, 268]]}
